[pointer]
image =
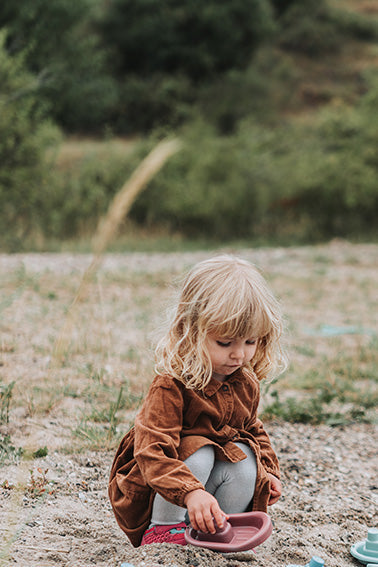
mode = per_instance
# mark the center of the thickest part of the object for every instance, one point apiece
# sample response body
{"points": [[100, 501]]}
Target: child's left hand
{"points": [[275, 489]]}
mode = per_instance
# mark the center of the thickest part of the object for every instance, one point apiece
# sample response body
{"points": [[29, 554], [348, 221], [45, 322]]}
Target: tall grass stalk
{"points": [[108, 228]]}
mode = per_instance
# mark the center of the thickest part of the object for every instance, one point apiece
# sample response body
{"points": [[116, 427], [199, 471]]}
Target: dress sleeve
{"points": [[267, 455], [256, 429], [158, 428]]}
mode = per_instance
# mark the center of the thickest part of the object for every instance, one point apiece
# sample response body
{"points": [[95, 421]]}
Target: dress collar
{"points": [[214, 385]]}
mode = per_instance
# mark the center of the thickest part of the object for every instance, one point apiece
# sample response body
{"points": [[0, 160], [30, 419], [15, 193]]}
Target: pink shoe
{"points": [[165, 534]]}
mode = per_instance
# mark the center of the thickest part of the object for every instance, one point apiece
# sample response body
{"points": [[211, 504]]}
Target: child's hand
{"points": [[275, 489], [203, 510]]}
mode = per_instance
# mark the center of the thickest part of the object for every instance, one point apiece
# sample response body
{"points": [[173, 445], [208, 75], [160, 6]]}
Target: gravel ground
{"points": [[329, 501], [60, 515]]}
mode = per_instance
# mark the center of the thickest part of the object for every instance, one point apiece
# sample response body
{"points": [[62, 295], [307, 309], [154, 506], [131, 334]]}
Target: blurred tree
{"points": [[60, 47], [317, 28], [165, 52], [194, 38], [25, 136], [280, 6]]}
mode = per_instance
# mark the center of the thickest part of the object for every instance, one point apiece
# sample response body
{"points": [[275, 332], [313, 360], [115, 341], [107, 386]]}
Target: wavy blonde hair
{"points": [[226, 297]]}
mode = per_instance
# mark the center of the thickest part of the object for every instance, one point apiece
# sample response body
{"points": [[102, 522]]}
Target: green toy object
{"points": [[367, 551]]}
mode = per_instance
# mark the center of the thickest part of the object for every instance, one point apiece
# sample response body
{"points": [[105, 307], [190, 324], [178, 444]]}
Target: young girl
{"points": [[198, 451]]}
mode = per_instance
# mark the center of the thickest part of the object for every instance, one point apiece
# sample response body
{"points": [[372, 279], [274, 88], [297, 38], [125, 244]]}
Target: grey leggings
{"points": [[232, 484]]}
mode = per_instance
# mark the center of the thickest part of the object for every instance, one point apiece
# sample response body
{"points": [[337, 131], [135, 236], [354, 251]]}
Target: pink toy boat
{"points": [[239, 533]]}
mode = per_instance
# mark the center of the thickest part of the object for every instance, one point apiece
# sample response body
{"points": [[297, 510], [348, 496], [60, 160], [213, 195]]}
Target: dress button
{"points": [[225, 387]]}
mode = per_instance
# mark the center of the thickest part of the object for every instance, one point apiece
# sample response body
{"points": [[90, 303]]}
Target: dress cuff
{"points": [[177, 496]]}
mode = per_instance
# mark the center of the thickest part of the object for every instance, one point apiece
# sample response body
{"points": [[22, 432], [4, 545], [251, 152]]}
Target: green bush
{"points": [[164, 52], [60, 47], [83, 191], [216, 186], [314, 28], [333, 182], [280, 182], [296, 181], [241, 93], [25, 136], [306, 27], [190, 37], [199, 191], [155, 101], [280, 6], [355, 25]]}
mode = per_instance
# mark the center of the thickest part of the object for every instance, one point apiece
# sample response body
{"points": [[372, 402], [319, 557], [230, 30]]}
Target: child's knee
{"points": [[201, 462], [247, 468]]}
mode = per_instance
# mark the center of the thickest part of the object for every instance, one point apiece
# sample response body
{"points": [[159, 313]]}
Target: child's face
{"points": [[227, 355]]}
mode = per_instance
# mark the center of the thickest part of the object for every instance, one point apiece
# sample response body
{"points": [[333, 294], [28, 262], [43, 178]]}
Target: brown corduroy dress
{"points": [[171, 425]]}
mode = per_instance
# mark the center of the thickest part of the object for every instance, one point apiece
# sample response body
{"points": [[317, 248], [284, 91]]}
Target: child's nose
{"points": [[238, 353]]}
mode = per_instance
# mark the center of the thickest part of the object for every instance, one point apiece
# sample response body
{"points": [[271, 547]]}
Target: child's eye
{"points": [[223, 344], [251, 342]]}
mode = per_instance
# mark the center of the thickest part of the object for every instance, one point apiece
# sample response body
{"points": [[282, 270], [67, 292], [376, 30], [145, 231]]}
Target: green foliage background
{"points": [[300, 182], [225, 77], [26, 133]]}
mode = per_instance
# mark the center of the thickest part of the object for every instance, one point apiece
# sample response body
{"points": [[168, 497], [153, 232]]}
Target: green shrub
{"points": [[314, 410], [307, 28], [190, 37], [237, 94], [315, 28], [60, 46], [280, 6], [155, 101], [164, 51], [216, 186], [83, 191], [354, 24], [173, 100], [339, 195], [192, 192], [295, 181], [280, 182], [25, 136]]}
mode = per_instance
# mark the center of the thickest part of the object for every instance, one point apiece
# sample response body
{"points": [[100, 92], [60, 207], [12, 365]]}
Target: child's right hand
{"points": [[203, 510]]}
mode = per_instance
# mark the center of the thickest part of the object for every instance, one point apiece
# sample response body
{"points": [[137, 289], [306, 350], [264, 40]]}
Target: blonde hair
{"points": [[226, 297]]}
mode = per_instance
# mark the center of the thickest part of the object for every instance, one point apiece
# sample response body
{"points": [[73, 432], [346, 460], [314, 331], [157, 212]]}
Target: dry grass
{"points": [[329, 297]]}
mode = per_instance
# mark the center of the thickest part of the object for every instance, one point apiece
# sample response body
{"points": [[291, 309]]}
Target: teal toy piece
{"points": [[314, 562], [367, 551]]}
